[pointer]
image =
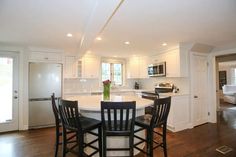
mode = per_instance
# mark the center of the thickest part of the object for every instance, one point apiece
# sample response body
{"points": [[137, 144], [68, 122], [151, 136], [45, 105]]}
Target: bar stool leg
{"points": [[80, 141], [104, 145], [56, 144], [64, 143], [164, 140], [131, 143], [100, 141], [151, 143]]}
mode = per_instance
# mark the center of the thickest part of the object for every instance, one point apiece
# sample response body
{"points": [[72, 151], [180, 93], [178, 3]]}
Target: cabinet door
{"points": [[45, 57], [133, 67], [91, 66], [172, 64], [70, 67], [143, 67]]}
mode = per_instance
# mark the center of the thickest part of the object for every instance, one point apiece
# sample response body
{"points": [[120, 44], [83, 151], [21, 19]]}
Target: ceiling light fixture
{"points": [[164, 44], [127, 42], [69, 35], [99, 38]]}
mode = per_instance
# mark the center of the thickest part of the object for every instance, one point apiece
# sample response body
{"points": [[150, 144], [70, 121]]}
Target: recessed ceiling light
{"points": [[164, 44], [127, 42], [69, 35], [99, 38]]}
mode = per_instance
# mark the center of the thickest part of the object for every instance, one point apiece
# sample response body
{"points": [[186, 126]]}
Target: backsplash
{"points": [[80, 85], [88, 85]]}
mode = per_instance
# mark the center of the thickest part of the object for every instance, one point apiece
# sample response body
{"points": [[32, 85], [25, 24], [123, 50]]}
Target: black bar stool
{"points": [[71, 134], [158, 119], [118, 120], [72, 121]]}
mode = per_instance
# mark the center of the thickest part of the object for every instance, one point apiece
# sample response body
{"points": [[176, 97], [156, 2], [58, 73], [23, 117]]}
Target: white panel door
{"points": [[8, 91], [199, 77]]}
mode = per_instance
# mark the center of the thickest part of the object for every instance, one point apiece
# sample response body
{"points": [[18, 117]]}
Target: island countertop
{"points": [[93, 102]]}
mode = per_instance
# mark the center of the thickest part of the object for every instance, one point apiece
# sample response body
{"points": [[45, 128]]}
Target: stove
{"points": [[161, 88], [164, 88]]}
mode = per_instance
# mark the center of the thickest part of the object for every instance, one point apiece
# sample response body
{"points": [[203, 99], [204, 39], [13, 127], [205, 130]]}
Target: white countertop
{"points": [[100, 91], [93, 102]]}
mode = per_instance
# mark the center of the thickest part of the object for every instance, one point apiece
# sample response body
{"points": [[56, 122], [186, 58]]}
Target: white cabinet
{"points": [[172, 64], [45, 57], [91, 67], [143, 67], [86, 67], [176, 62], [70, 67], [137, 67], [179, 116]]}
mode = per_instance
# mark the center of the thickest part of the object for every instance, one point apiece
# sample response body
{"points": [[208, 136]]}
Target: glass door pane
{"points": [[6, 89]]}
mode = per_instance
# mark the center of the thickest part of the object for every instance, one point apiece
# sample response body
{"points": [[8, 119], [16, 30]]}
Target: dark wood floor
{"points": [[198, 142]]}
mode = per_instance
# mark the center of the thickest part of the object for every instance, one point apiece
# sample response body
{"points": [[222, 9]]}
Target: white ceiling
{"points": [[145, 23]]}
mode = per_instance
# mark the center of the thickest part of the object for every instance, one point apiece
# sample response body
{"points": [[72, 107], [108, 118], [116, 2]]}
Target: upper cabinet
{"points": [[85, 67], [176, 62], [137, 67], [70, 67], [91, 66], [37, 56]]}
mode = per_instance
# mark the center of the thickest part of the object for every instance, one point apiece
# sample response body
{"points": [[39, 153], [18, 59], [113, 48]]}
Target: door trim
{"points": [[16, 57]]}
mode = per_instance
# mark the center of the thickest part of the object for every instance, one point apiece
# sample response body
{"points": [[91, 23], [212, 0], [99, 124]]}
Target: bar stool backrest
{"points": [[160, 111], [55, 110], [70, 115], [118, 116]]}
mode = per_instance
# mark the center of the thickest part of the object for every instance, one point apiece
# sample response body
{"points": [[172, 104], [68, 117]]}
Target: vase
{"points": [[106, 92]]}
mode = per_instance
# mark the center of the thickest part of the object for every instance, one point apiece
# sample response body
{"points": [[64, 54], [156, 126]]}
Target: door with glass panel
{"points": [[8, 91]]}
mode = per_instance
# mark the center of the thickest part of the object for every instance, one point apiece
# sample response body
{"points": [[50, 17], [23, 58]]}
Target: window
{"points": [[233, 76], [113, 72]]}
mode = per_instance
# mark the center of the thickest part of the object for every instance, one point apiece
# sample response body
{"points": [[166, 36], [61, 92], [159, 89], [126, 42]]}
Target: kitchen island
{"points": [[90, 106]]}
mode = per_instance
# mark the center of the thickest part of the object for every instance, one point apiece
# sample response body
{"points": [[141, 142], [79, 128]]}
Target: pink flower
{"points": [[106, 82]]}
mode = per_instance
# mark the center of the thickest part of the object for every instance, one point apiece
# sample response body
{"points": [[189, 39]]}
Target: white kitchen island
{"points": [[90, 106]]}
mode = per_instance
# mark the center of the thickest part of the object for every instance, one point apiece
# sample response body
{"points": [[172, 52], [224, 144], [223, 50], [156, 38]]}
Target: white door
{"points": [[199, 91], [8, 91]]}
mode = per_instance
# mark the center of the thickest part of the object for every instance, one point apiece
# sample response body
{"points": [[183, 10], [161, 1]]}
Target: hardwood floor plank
{"points": [[200, 141]]}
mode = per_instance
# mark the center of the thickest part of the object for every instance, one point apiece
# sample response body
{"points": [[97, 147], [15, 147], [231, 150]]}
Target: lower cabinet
{"points": [[179, 116]]}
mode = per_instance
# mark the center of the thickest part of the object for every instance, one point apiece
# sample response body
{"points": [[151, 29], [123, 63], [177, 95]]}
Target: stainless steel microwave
{"points": [[157, 69]]}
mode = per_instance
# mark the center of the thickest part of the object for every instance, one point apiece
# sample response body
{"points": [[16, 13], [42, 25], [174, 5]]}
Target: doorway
{"points": [[8, 91], [225, 75]]}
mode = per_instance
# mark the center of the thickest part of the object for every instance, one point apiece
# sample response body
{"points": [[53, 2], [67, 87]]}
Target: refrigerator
{"points": [[44, 79]]}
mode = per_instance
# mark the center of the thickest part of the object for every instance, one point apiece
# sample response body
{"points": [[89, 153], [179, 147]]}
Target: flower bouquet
{"points": [[106, 89]]}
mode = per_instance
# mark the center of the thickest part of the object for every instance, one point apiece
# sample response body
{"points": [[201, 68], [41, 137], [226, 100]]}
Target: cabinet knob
{"points": [[195, 96]]}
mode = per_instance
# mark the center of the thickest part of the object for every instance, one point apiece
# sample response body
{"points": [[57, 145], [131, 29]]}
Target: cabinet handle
{"points": [[46, 58], [195, 96]]}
